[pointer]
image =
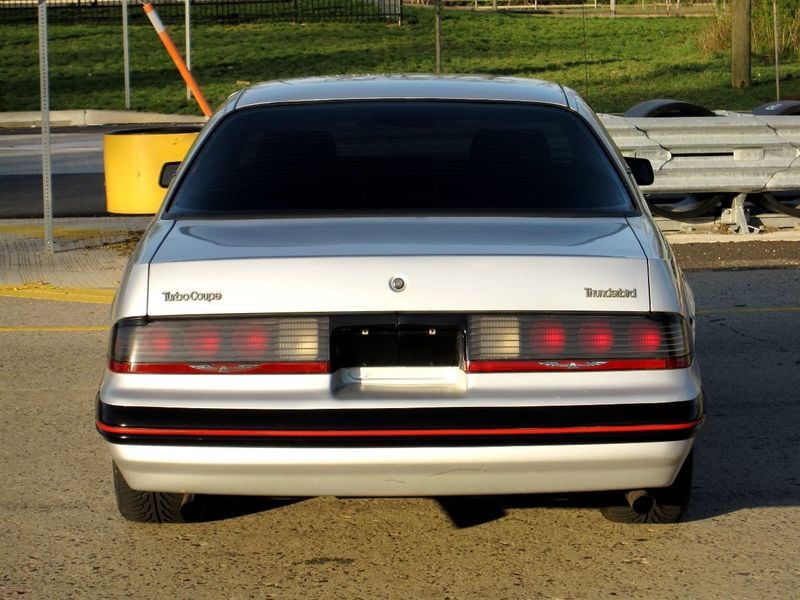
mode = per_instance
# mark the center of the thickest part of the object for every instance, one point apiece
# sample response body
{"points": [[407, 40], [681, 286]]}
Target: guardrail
{"points": [[729, 155]]}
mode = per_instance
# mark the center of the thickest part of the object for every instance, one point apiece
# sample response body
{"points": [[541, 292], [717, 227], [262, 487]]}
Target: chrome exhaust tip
{"points": [[640, 501]]}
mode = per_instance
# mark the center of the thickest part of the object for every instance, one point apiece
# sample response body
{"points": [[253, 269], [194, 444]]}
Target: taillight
{"points": [[221, 345], [205, 340], [251, 339], [595, 338], [548, 336], [559, 342], [645, 337]]}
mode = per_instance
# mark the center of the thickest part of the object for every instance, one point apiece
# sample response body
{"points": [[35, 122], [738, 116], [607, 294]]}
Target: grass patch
{"points": [[623, 61]]}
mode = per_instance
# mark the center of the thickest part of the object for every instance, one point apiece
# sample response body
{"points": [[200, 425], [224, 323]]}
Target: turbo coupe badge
{"points": [[191, 296]]}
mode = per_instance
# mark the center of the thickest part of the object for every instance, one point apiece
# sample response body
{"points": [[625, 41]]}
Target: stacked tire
{"points": [[676, 206], [787, 203]]}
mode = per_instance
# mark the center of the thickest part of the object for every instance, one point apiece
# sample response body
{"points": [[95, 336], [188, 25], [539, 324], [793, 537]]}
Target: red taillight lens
{"points": [[576, 341], [252, 340], [548, 337], [595, 338], [203, 340], [162, 342], [221, 345], [645, 337]]}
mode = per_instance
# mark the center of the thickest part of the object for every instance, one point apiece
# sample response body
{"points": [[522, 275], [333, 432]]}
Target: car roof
{"points": [[403, 87]]}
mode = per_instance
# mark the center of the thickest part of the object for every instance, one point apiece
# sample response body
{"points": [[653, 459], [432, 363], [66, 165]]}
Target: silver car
{"points": [[403, 286]]}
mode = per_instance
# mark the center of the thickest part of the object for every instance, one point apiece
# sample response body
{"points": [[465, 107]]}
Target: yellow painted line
{"points": [[54, 329], [47, 292]]}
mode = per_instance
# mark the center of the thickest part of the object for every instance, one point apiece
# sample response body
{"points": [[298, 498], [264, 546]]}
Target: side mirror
{"points": [[641, 169], [168, 172]]}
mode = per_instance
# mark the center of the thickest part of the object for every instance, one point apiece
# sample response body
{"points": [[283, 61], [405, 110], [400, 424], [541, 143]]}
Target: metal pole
{"points": [[188, 25], [438, 30], [777, 50], [126, 53], [44, 91]]}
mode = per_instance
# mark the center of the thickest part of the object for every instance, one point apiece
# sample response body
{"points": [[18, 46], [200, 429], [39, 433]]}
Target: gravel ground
{"points": [[737, 255]]}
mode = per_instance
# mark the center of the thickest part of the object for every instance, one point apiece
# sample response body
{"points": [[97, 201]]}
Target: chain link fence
{"points": [[207, 11]]}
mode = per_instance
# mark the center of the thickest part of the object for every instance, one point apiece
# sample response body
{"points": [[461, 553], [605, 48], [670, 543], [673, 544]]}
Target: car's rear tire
{"points": [[668, 504], [688, 206], [155, 507]]}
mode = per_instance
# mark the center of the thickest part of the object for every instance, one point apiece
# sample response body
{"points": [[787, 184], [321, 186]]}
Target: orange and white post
{"points": [[176, 57]]}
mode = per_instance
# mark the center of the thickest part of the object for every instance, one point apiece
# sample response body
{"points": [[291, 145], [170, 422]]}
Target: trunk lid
{"points": [[332, 265]]}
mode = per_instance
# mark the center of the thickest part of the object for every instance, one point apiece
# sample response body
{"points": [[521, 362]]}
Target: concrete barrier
{"points": [[133, 159]]}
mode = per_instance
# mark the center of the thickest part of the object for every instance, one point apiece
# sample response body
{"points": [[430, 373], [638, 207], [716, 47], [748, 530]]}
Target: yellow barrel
{"points": [[133, 159]]}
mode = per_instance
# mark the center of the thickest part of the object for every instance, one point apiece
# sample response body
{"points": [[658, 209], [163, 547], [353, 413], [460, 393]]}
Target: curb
{"points": [[92, 117], [677, 238]]}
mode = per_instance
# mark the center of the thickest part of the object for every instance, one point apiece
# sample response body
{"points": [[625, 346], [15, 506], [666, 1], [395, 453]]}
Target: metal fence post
{"points": [[438, 34], [126, 55], [188, 38], [44, 90]]}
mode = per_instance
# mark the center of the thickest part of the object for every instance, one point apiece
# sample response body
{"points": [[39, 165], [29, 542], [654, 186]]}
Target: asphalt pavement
{"points": [[76, 156], [64, 538]]}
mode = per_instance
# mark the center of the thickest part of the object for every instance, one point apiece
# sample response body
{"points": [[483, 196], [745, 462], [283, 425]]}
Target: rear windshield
{"points": [[401, 158]]}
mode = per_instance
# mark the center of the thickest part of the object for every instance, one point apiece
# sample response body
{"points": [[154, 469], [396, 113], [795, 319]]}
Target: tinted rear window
{"points": [[404, 158]]}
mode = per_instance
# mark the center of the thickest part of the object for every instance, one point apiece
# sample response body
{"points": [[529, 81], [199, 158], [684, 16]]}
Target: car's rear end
{"points": [[386, 297]]}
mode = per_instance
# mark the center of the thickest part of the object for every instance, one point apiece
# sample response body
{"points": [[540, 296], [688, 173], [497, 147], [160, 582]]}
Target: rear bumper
{"points": [[401, 427], [394, 447], [400, 471]]}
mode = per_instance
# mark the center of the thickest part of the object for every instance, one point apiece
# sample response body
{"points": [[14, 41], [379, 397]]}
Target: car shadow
{"points": [[207, 509], [471, 511], [748, 454], [462, 511]]}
